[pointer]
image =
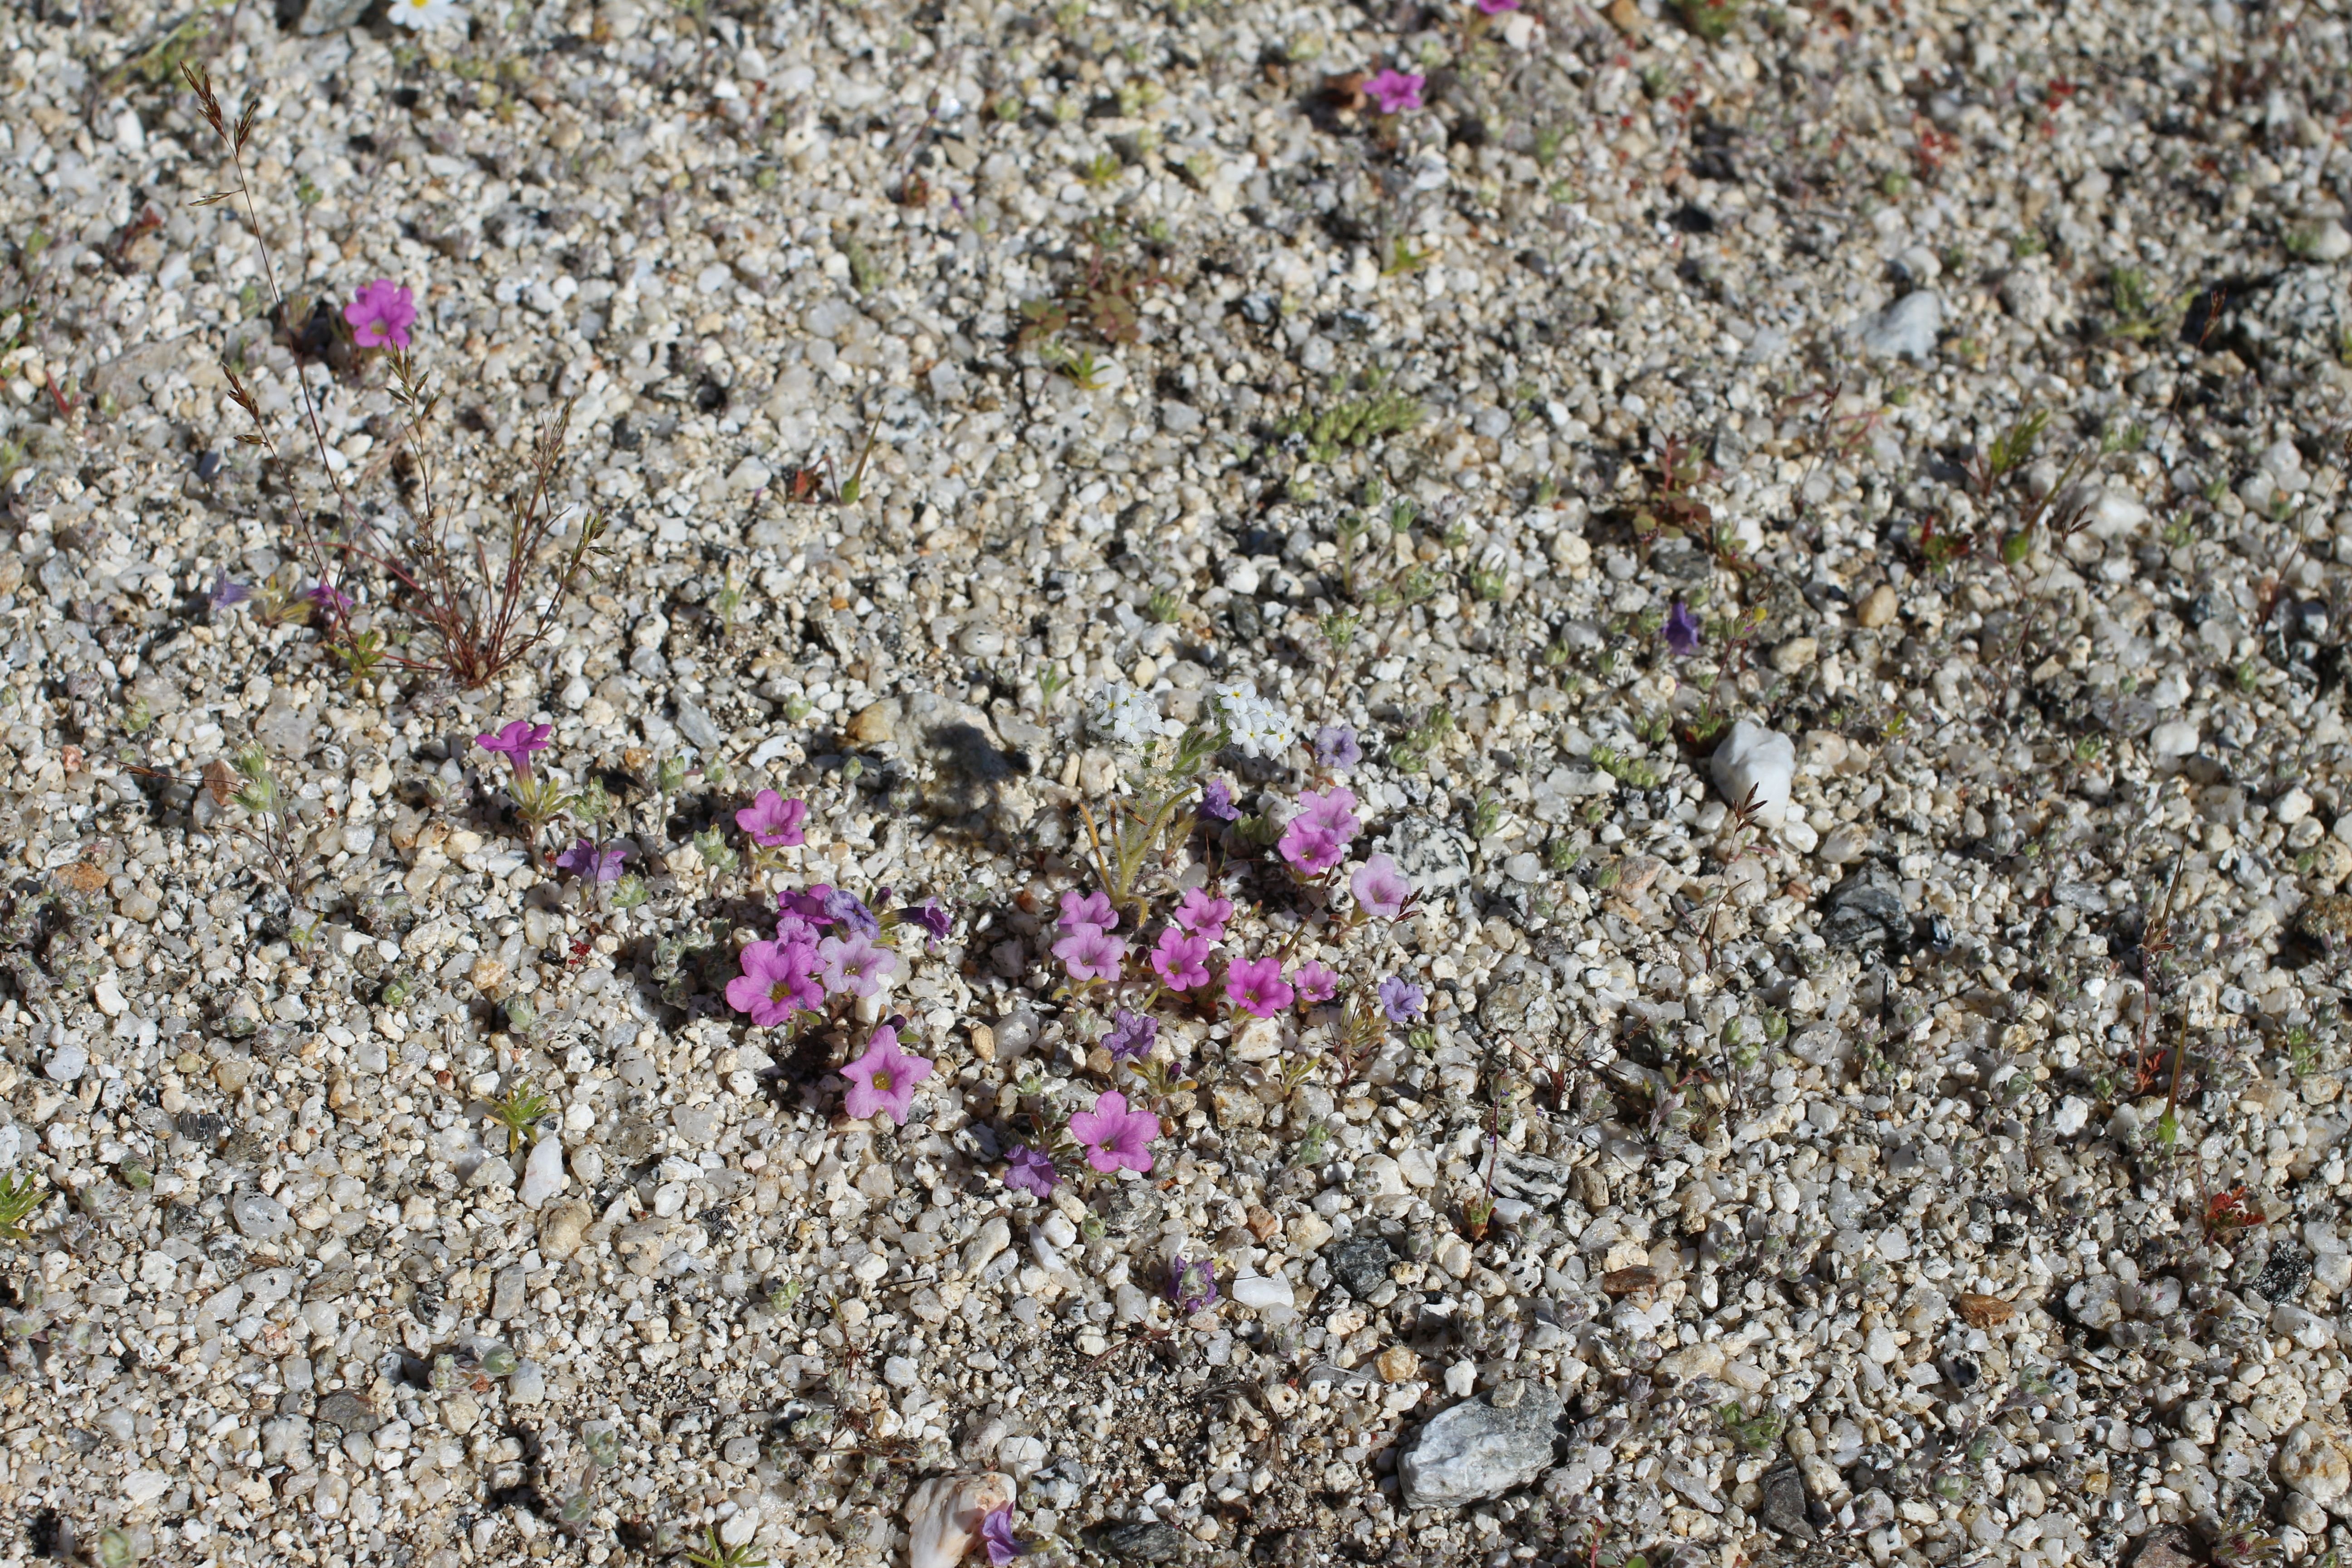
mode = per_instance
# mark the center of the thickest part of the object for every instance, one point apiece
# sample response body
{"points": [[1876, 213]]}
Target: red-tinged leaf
{"points": [[220, 781]]}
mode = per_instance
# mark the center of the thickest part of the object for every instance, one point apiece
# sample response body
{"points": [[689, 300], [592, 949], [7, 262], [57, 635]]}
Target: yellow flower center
{"points": [[882, 1082]]}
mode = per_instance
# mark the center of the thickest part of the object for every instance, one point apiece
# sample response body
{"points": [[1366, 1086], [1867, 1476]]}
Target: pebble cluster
{"points": [[1829, 527]]}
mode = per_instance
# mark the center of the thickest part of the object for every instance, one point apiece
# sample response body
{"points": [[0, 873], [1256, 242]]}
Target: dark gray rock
{"points": [[1145, 1541], [1865, 913], [2286, 1274], [1481, 1447], [1360, 1264], [1783, 1509], [347, 1412]]}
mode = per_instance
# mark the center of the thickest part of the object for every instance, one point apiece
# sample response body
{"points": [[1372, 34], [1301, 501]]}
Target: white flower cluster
{"points": [[1127, 716], [1259, 728]]}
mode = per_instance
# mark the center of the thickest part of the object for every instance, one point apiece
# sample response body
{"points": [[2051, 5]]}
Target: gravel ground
{"points": [[1828, 529]]}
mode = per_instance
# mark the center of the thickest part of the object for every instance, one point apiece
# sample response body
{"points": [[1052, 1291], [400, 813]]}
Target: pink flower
{"points": [[1257, 986], [1181, 961], [516, 742], [1316, 984], [771, 820], [1115, 1137], [1497, 7], [883, 1079], [1395, 91], [1381, 888], [778, 979], [1091, 953], [856, 962], [1088, 909], [1311, 850], [1332, 812], [1199, 911], [379, 314]]}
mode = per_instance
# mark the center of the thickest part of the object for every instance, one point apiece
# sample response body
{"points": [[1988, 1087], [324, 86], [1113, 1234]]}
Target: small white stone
{"points": [[1754, 758], [2073, 1115], [1460, 1378], [2177, 738], [109, 997], [1258, 1291], [542, 1174], [944, 1516], [68, 1062]]}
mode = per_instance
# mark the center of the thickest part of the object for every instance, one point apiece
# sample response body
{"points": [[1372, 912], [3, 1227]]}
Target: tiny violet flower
{"points": [[1381, 888], [847, 909], [1395, 91], [1335, 748], [1090, 952], [1115, 1139], [1131, 1037], [1181, 960], [516, 742], [328, 597], [1217, 801], [592, 862], [772, 821], [225, 594], [778, 979], [1682, 630], [931, 917], [854, 962], [1315, 982], [996, 1534], [1203, 913], [1192, 1285], [382, 312], [1256, 985], [812, 905], [1497, 7], [1400, 999], [1030, 1170], [883, 1079], [1088, 909]]}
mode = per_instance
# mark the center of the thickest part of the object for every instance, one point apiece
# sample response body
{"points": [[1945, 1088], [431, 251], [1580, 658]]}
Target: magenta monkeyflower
{"points": [[1203, 913], [1115, 1137], [778, 979], [809, 905], [1395, 91], [1257, 986], [932, 917], [1682, 631], [1311, 850], [590, 862], [1381, 888], [379, 315], [516, 742], [1028, 1170], [328, 597], [1217, 801], [1091, 953], [1088, 909], [854, 962], [1497, 7], [1315, 982], [883, 1079], [1131, 1037], [996, 1534], [773, 821], [1333, 811], [1402, 1000], [1335, 748], [1182, 961]]}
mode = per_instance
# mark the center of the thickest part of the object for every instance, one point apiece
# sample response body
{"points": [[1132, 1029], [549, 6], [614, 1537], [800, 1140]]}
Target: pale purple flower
{"points": [[772, 821], [1315, 982], [883, 1079], [381, 314], [1115, 1138], [846, 909], [1090, 952], [1181, 960], [1203, 913], [1400, 999], [1088, 909], [1131, 1036], [1256, 985], [592, 862], [797, 931], [1335, 748], [996, 1534], [1028, 1170], [1331, 811], [516, 742], [778, 979], [1682, 630], [227, 594], [932, 917], [1217, 801], [1497, 7], [854, 962], [1311, 850], [1381, 888], [1395, 91], [1192, 1286]]}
